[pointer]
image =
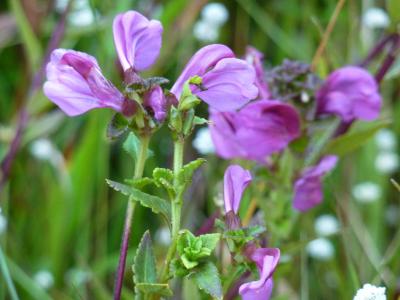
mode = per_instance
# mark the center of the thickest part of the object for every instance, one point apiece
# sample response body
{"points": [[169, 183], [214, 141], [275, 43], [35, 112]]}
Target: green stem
{"points": [[139, 167], [176, 208], [7, 277]]}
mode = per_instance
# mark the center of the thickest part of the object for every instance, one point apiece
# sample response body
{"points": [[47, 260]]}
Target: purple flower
{"points": [[155, 101], [255, 58], [266, 260], [75, 83], [308, 188], [137, 40], [351, 93], [227, 82], [256, 131], [236, 180]]}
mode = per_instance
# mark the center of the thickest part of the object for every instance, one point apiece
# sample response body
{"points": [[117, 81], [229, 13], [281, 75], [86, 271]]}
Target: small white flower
{"points": [[215, 13], [163, 236], [82, 17], [385, 139], [376, 17], [370, 292], [205, 32], [321, 249], [42, 149], [387, 162], [367, 192], [203, 142], [326, 225], [44, 279], [3, 223]]}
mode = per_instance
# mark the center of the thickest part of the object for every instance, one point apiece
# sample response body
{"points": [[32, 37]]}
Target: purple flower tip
{"points": [[266, 260], [137, 40], [228, 83], [75, 83], [308, 188], [236, 180], [351, 93], [256, 131], [255, 58], [155, 100]]}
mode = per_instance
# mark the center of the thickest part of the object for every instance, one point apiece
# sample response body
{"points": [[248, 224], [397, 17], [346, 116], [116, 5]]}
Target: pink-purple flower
{"points": [[256, 131], [227, 84], [137, 40], [75, 83], [266, 260], [255, 58], [350, 93], [236, 180], [156, 102], [308, 188]]}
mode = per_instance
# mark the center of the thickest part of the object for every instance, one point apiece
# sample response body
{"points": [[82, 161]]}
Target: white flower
{"points": [[387, 162], [44, 278], [203, 142], [321, 249], [215, 13], [326, 225], [163, 236], [205, 31], [385, 139], [370, 292], [375, 17], [42, 149], [367, 192], [3, 223]]}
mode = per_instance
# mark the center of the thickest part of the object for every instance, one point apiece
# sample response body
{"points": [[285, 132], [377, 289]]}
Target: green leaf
{"points": [[117, 126], [186, 173], [139, 183], [355, 138], [144, 268], [164, 178], [145, 272], [161, 289], [210, 240], [207, 279], [156, 204], [199, 121], [132, 146], [393, 7]]}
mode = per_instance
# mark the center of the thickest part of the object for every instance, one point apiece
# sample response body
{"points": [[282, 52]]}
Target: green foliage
{"points": [[192, 250], [145, 272], [165, 178], [156, 204], [354, 139], [207, 279], [185, 175], [132, 145]]}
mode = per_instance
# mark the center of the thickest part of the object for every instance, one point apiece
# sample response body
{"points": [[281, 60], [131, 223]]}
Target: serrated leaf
{"points": [[207, 279], [139, 183], [354, 139], [144, 268], [132, 145], [161, 289], [117, 126], [156, 204], [185, 175], [210, 240]]}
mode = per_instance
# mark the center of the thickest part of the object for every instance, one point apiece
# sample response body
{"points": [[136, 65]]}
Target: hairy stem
{"points": [[176, 208], [139, 167]]}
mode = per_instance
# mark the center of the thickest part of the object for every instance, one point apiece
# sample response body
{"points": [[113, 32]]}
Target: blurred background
{"points": [[61, 225]]}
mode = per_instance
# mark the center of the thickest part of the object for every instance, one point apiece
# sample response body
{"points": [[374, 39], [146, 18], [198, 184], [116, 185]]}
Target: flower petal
{"points": [[137, 40], [236, 180]]}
